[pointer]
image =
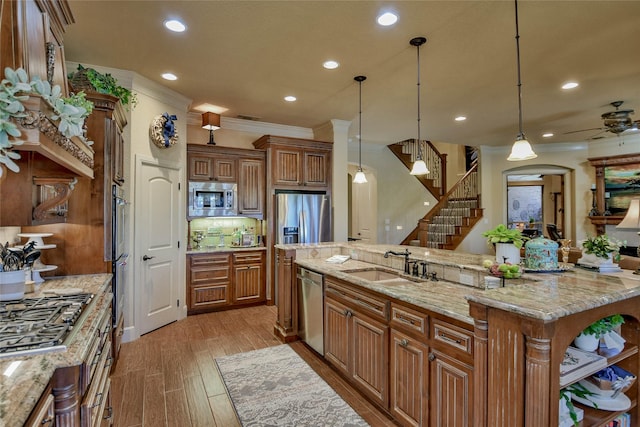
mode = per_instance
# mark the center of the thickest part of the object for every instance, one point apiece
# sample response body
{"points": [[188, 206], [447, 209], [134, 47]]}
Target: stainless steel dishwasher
{"points": [[310, 308]]}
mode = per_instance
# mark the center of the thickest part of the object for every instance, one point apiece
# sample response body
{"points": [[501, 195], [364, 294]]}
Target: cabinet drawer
{"points": [[247, 258], [94, 402], [452, 336], [44, 414], [209, 260], [207, 296], [202, 276], [364, 302], [409, 320], [97, 349]]}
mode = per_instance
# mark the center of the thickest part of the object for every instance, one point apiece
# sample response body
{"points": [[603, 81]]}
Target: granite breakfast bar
{"points": [[27, 379], [519, 332]]}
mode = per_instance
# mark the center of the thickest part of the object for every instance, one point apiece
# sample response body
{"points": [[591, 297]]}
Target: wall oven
{"points": [[212, 199]]}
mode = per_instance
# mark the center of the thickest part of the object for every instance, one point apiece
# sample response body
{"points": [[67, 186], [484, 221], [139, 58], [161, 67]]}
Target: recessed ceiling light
{"points": [[290, 98], [547, 135], [169, 76], [570, 85], [460, 118], [387, 18], [331, 65], [175, 25]]}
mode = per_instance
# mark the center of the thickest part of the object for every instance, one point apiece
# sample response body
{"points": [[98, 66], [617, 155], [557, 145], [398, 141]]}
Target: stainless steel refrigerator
{"points": [[303, 217]]}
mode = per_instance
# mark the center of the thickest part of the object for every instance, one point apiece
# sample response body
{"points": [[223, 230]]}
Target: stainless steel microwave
{"points": [[212, 199]]}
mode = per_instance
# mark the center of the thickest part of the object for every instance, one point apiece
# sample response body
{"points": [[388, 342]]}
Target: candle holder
{"points": [[565, 249], [606, 212], [594, 210]]}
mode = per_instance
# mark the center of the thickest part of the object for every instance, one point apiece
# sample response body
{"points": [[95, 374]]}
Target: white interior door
{"points": [[364, 210], [157, 225]]}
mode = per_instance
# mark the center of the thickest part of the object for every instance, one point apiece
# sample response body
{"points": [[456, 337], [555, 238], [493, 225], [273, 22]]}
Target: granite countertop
{"points": [[543, 296], [216, 249], [21, 390], [441, 297]]}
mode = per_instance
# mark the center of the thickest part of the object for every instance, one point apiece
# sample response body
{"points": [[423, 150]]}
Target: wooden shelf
{"points": [[594, 417]]}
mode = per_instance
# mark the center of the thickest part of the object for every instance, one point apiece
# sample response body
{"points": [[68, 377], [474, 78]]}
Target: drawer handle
{"points": [[404, 342], [405, 320], [98, 402], [109, 413], [109, 362], [96, 358], [47, 421], [451, 340]]}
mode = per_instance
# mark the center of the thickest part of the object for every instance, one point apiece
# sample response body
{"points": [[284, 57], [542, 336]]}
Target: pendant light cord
{"points": [[521, 134], [360, 79], [417, 42]]}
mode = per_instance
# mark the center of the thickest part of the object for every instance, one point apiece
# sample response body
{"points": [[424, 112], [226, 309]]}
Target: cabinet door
{"points": [[336, 334], [251, 188], [288, 167], [315, 169], [200, 168], [451, 387], [409, 374], [249, 277], [224, 169], [370, 357]]}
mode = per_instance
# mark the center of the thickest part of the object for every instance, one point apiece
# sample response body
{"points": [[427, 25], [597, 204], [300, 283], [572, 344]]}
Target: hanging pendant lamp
{"points": [[521, 149], [419, 166], [360, 178]]}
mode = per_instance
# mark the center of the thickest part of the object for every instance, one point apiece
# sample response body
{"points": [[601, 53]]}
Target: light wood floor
{"points": [[168, 377]]}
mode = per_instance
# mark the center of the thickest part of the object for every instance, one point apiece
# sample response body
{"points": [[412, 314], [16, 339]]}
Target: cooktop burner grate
{"points": [[37, 325]]}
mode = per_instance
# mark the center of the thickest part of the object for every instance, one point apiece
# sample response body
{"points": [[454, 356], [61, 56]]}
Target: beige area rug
{"points": [[275, 387]]}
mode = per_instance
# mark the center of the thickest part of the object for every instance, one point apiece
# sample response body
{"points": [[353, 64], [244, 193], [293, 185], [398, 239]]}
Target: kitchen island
{"points": [[517, 334], [27, 381]]}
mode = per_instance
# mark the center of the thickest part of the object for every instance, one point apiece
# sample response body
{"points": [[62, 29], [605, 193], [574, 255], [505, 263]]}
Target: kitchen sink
{"points": [[378, 275]]}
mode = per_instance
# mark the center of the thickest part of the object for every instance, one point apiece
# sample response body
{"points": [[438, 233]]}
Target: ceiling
{"points": [[246, 56]]}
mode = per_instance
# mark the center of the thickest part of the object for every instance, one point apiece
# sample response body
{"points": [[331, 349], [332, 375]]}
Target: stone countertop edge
{"points": [[20, 392], [543, 296], [226, 249]]}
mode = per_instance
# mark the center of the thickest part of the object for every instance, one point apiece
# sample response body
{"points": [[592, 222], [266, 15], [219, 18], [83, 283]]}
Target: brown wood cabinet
{"points": [[248, 277], [212, 167], [208, 281], [234, 165], [44, 412], [524, 354], [360, 340], [451, 391], [224, 280], [251, 187]]}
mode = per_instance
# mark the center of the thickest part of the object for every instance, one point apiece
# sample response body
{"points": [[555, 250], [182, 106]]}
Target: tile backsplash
{"points": [[214, 227]]}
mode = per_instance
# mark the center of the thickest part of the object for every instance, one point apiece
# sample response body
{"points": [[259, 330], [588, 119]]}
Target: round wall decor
{"points": [[162, 130]]}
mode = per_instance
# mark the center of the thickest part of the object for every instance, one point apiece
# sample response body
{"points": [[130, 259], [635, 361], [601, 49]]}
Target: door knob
{"points": [[146, 257]]}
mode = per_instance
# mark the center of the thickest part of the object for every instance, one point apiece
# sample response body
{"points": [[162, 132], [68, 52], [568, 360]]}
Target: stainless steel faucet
{"points": [[406, 254]]}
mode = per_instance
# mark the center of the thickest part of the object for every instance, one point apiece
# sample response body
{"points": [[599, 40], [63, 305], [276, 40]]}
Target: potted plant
{"points": [[15, 89], [566, 405], [599, 250], [589, 338], [507, 241], [90, 79]]}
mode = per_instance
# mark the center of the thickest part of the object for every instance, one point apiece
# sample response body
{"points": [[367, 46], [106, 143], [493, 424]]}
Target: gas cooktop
{"points": [[38, 325]]}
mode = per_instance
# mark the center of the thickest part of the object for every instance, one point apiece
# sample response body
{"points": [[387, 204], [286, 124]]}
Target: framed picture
{"points": [[621, 184]]}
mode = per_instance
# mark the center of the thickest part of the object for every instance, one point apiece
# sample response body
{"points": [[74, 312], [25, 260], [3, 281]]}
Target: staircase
{"points": [[458, 210]]}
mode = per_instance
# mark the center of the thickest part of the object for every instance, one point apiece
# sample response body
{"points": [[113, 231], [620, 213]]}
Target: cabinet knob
{"points": [[404, 342], [431, 357]]}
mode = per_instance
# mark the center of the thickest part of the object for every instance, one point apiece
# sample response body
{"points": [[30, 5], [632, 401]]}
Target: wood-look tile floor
{"points": [[168, 377]]}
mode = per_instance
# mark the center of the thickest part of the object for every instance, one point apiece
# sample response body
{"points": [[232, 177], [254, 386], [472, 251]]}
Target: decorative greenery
{"points": [[579, 390], [604, 325], [602, 245], [502, 234], [16, 88], [107, 84]]}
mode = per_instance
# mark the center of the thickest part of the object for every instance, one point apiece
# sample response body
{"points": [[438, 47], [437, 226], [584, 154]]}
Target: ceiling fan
{"points": [[615, 122]]}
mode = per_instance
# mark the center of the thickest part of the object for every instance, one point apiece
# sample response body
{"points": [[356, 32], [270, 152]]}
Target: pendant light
{"points": [[360, 178], [521, 149], [419, 166]]}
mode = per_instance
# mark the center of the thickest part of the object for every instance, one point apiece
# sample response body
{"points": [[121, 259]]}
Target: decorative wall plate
{"points": [[162, 131]]}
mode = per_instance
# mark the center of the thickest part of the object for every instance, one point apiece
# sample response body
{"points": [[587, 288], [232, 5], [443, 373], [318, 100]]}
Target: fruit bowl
{"points": [[505, 270]]}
